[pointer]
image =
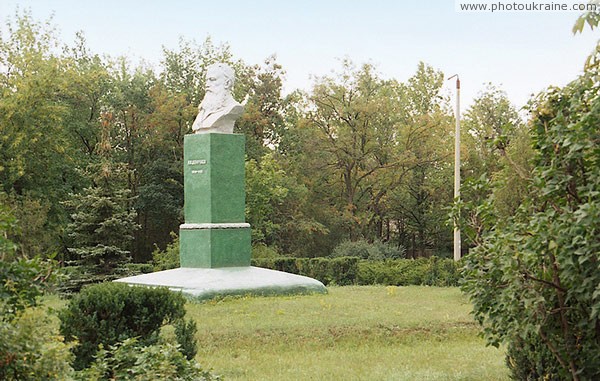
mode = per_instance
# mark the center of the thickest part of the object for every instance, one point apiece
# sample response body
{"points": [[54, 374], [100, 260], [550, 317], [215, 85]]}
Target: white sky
{"points": [[523, 53]]}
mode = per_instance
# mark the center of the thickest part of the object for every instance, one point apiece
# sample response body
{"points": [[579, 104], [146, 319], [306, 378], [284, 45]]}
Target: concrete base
{"points": [[202, 283]]}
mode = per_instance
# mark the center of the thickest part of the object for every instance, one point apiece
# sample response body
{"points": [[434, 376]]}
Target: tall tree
{"points": [[36, 152], [263, 118], [490, 124], [103, 220], [417, 203], [346, 115]]}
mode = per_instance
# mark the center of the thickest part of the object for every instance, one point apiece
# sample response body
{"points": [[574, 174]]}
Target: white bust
{"points": [[218, 110]]}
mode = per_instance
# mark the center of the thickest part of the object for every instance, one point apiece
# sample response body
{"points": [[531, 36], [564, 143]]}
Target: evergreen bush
{"points": [[111, 312], [185, 332], [100, 234]]}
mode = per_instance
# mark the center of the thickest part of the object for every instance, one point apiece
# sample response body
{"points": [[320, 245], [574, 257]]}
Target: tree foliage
{"points": [[373, 152], [30, 348], [534, 276], [358, 157], [101, 232]]}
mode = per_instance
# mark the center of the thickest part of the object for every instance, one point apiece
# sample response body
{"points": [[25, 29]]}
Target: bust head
{"points": [[218, 110], [220, 77]]}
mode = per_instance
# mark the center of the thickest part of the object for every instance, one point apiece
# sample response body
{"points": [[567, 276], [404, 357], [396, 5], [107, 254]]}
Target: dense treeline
{"points": [[91, 150]]}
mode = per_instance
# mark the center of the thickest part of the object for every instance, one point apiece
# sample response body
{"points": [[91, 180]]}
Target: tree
{"points": [[416, 205], [534, 276], [371, 152], [36, 153], [352, 140], [265, 190], [263, 120], [103, 219], [497, 148], [490, 125]]}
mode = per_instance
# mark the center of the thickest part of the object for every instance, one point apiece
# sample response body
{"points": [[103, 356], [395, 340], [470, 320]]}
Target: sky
{"points": [[520, 52]]}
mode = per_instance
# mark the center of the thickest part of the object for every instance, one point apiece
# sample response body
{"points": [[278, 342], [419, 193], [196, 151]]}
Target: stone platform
{"points": [[206, 283]]}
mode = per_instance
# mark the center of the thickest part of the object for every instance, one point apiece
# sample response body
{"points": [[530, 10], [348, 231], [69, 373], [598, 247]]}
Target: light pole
{"points": [[457, 166]]}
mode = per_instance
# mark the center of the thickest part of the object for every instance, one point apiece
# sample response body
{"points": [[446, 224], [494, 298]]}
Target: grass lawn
{"points": [[352, 333]]}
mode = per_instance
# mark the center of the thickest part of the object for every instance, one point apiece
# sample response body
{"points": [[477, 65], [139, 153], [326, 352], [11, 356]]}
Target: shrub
{"points": [[185, 331], [339, 271], [351, 270], [22, 282], [264, 251], [111, 312], [529, 360], [285, 264], [75, 277], [138, 268], [403, 272], [31, 349], [388, 251], [365, 250], [533, 277], [359, 249], [169, 258], [128, 360]]}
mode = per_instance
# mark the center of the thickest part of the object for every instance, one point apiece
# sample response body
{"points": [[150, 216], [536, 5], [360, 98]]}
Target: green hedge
{"points": [[138, 268], [339, 271], [351, 270], [431, 271]]}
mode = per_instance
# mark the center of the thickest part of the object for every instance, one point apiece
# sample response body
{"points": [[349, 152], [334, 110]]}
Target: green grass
{"points": [[352, 333]]}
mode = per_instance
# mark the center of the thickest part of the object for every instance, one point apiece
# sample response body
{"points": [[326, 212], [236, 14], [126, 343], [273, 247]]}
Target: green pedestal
{"points": [[215, 247], [214, 188], [215, 233]]}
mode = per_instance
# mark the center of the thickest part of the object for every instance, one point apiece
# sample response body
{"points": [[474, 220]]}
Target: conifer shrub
{"points": [[185, 332], [108, 313]]}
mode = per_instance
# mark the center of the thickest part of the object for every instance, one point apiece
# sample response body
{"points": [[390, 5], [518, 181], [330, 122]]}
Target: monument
{"points": [[215, 246]]}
